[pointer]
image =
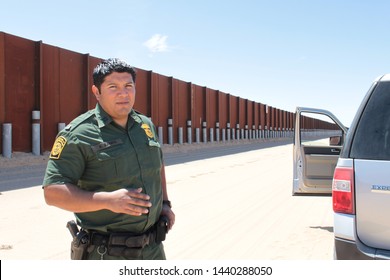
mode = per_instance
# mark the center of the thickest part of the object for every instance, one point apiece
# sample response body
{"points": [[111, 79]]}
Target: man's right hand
{"points": [[132, 202]]}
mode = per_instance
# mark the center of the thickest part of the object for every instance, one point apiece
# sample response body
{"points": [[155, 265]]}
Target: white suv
{"points": [[360, 186]]}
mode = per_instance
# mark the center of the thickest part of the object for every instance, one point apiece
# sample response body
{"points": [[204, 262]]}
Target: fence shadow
{"points": [[194, 152], [25, 176]]}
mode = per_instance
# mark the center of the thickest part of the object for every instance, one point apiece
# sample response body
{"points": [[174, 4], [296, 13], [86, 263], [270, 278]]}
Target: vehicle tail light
{"points": [[342, 190]]}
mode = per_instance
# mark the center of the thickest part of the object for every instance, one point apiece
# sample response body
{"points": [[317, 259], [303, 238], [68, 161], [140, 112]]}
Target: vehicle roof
{"points": [[383, 78]]}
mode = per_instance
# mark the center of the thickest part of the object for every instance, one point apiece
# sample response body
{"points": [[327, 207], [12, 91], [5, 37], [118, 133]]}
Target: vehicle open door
{"points": [[318, 140]]}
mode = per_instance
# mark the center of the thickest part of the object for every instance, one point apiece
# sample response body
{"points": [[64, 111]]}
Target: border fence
{"points": [[43, 87]]}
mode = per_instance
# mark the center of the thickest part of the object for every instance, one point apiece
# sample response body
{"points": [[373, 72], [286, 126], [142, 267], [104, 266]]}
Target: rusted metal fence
{"points": [[36, 77]]}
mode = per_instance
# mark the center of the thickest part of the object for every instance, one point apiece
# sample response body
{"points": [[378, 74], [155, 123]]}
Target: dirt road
{"points": [[236, 206], [240, 207]]}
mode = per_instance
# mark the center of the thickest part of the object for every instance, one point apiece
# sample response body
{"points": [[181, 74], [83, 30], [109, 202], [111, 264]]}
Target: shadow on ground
{"points": [[210, 151], [24, 175]]}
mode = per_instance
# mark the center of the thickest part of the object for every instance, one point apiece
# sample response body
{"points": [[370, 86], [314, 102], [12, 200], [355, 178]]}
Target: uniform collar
{"points": [[135, 117], [104, 119]]}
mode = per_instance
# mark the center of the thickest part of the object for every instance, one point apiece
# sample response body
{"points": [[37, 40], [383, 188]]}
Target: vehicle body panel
{"points": [[372, 185]]}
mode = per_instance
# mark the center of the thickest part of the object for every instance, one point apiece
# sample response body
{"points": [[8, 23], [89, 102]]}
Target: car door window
{"points": [[319, 130]]}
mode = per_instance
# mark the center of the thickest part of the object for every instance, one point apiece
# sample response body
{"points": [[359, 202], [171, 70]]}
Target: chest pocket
{"points": [[112, 162], [108, 150]]}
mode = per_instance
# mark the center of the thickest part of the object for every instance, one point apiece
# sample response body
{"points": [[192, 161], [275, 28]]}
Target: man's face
{"points": [[117, 96]]}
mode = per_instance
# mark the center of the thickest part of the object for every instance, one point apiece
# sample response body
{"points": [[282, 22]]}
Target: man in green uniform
{"points": [[106, 166]]}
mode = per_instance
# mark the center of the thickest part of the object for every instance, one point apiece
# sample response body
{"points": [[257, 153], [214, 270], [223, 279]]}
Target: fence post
{"points": [[180, 135], [217, 137], [160, 135], [7, 140], [60, 126], [170, 132], [204, 124], [189, 132], [228, 132], [36, 133]]}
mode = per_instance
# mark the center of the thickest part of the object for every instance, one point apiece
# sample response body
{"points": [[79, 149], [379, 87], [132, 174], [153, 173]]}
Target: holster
{"points": [[80, 242], [79, 246]]}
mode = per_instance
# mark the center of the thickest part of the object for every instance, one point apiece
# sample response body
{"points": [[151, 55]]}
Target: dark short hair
{"points": [[108, 66]]}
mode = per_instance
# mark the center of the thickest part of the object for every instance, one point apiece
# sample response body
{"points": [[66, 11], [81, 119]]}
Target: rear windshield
{"points": [[372, 136]]}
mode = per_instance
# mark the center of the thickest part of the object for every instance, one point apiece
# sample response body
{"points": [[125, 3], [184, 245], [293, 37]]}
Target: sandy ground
{"points": [[231, 202]]}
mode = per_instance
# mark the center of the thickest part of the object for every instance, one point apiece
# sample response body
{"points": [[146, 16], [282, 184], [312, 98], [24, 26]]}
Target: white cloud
{"points": [[157, 43]]}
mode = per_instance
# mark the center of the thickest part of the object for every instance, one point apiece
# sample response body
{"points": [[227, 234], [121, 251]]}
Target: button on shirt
{"points": [[96, 154]]}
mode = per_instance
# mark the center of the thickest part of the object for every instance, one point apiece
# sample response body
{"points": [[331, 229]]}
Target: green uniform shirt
{"points": [[96, 154]]}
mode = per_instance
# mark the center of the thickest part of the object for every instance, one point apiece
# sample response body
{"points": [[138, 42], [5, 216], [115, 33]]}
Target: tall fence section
{"points": [[43, 87]]}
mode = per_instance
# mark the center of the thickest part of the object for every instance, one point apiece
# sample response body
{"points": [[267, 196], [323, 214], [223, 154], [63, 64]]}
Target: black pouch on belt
{"points": [[120, 244], [161, 229]]}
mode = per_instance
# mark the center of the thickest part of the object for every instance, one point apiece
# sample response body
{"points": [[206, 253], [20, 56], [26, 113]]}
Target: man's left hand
{"points": [[167, 211]]}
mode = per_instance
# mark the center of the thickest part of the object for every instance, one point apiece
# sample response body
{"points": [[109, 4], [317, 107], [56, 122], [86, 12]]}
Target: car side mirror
{"points": [[335, 141]]}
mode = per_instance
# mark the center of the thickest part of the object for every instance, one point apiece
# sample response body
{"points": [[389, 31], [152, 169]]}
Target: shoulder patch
{"points": [[58, 146], [147, 129]]}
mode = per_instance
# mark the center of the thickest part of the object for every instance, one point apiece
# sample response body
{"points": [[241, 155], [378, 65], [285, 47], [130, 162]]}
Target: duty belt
{"points": [[123, 239], [123, 244], [118, 244]]}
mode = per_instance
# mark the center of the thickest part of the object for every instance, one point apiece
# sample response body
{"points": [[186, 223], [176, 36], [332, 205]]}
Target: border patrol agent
{"points": [[107, 167]]}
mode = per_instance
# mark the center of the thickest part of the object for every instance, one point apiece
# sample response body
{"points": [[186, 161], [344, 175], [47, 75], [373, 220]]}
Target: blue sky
{"points": [[313, 53]]}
